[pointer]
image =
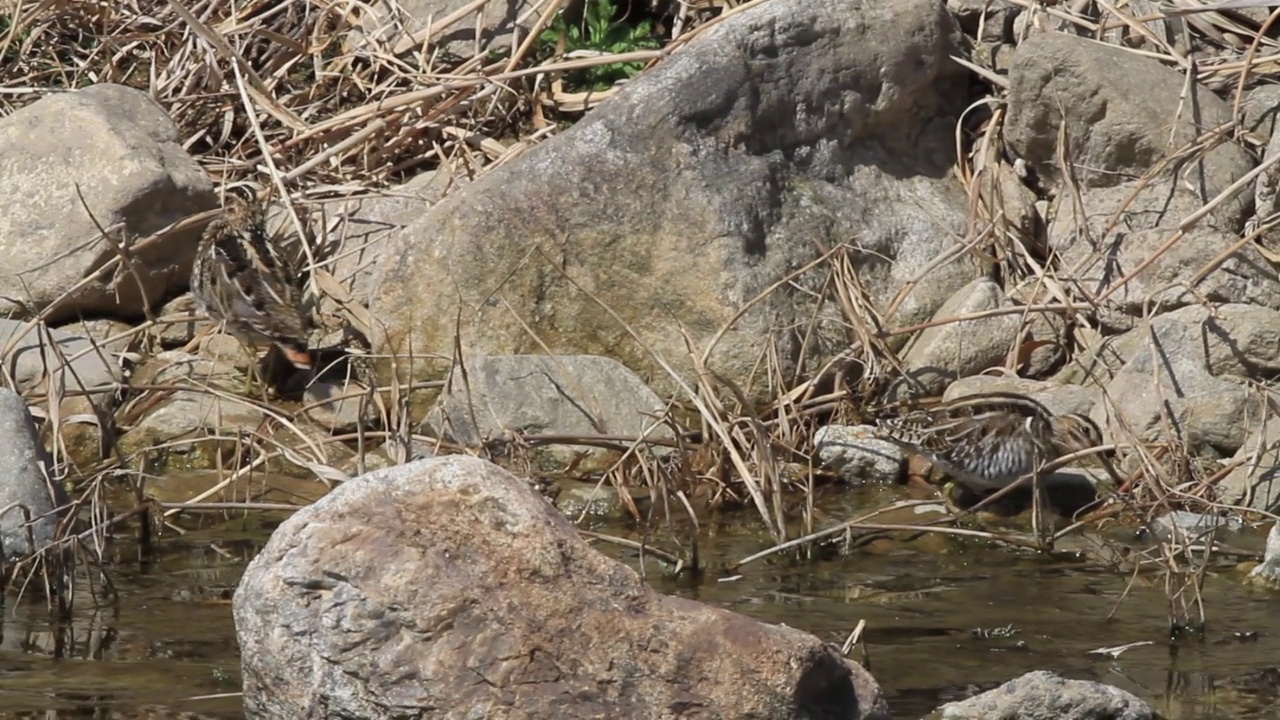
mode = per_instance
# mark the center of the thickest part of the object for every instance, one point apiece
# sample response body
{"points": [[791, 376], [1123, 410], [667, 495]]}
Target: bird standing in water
{"points": [[243, 279], [987, 441]]}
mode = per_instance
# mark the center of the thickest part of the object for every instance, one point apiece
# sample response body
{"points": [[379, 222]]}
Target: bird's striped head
{"points": [[1075, 432]]}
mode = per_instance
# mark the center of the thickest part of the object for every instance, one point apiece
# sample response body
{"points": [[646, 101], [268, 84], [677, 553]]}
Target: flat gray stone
{"points": [[1057, 398], [39, 355], [1192, 527]]}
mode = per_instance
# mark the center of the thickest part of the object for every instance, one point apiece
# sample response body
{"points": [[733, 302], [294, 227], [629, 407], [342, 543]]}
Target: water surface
{"points": [[943, 620]]}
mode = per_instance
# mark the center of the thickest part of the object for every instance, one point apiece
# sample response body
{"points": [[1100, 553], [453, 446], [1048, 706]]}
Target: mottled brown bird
{"points": [[243, 279], [987, 441]]}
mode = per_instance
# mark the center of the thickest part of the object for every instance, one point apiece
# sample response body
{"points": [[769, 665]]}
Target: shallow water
{"points": [[160, 651]]}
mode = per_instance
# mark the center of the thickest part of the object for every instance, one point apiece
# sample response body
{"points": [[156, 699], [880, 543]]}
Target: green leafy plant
{"points": [[602, 32]]}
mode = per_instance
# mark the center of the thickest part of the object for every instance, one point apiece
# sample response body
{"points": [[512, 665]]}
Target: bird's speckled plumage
{"points": [[988, 441], [242, 278]]}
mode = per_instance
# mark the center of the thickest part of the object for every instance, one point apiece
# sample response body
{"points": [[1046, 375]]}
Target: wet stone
{"points": [[857, 455]]}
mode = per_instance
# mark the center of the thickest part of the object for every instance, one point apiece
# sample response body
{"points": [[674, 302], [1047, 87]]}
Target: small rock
{"points": [[539, 394], [25, 470], [494, 606], [1047, 336], [189, 423], [991, 18], [859, 456], [113, 336], [1043, 695], [185, 422], [1261, 108], [422, 449], [173, 334], [940, 354], [175, 367], [380, 458], [224, 348], [80, 431], [575, 498]]}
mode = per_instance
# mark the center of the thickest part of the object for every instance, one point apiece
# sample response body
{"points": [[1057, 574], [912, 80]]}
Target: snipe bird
{"points": [[986, 442], [242, 278]]}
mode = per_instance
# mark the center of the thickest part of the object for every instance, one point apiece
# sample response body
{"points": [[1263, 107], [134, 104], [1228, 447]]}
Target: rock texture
{"points": [[1180, 370], [538, 394], [1057, 398], [379, 20], [1043, 695], [189, 423], [123, 152], [943, 353], [857, 454], [449, 588], [25, 470], [1116, 107], [73, 362], [782, 132], [1120, 116]]}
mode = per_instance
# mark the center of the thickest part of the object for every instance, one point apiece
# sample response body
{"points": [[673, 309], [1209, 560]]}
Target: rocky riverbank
{"points": [[700, 294]]}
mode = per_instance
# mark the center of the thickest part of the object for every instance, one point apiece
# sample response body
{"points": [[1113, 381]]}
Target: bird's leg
{"points": [[252, 372], [1044, 542], [198, 338]]}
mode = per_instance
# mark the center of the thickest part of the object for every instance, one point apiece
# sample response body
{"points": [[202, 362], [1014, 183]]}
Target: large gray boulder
{"points": [[1118, 108], [783, 132], [124, 153], [449, 588]]}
